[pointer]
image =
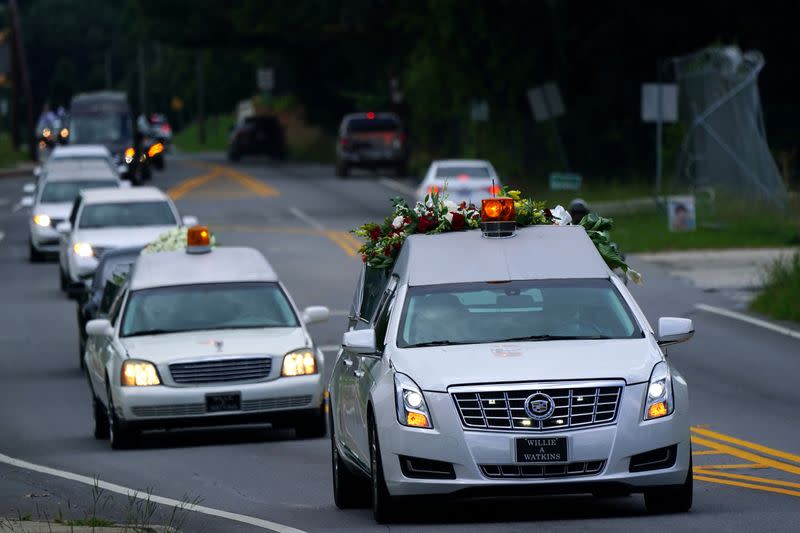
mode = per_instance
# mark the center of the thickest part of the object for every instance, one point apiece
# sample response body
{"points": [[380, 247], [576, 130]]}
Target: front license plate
{"points": [[542, 450], [223, 402]]}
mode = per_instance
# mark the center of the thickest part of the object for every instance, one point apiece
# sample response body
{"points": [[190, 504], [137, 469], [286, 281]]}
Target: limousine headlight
{"points": [[299, 363], [412, 410], [139, 374]]}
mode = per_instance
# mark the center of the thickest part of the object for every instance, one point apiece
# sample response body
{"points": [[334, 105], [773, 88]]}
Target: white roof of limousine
{"points": [[221, 265], [113, 195], [83, 174], [80, 150], [535, 252]]}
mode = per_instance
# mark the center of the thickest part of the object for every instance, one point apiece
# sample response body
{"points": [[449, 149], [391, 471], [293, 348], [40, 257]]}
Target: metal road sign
{"points": [[659, 102], [265, 78], [565, 181]]}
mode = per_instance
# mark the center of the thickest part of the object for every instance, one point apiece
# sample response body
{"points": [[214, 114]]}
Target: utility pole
{"points": [[21, 64], [201, 104]]}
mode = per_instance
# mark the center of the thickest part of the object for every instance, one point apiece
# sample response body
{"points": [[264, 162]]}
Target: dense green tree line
{"points": [[336, 56]]}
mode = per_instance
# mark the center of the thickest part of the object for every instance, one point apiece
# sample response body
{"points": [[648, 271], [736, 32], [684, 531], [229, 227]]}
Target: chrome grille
{"points": [[275, 403], [220, 371], [170, 410], [581, 468], [505, 409]]}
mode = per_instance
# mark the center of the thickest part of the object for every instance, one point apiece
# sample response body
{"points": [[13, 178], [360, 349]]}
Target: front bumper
{"points": [[173, 406], [388, 156], [467, 450], [44, 238]]}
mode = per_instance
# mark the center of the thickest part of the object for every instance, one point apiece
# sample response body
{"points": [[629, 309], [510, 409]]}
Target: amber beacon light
{"points": [[498, 218], [198, 240]]}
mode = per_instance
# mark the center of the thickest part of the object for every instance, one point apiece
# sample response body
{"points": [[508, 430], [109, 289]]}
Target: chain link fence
{"points": [[725, 148]]}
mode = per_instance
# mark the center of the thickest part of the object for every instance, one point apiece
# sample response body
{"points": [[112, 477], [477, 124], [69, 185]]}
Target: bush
{"points": [[780, 297]]}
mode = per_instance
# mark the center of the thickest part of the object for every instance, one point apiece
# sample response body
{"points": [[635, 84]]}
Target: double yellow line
{"points": [[259, 188], [757, 456], [344, 240]]}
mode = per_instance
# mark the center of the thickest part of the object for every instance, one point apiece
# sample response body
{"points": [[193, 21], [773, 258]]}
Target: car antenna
{"points": [[494, 191]]}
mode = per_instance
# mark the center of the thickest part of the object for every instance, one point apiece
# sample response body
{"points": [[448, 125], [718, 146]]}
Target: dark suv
{"points": [[371, 140], [257, 135]]}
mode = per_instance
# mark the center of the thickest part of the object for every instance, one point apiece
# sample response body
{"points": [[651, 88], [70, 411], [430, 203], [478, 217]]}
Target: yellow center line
{"points": [[747, 485], [257, 186], [733, 467], [707, 452], [216, 171], [192, 183], [779, 482], [336, 237], [746, 444], [340, 239], [747, 456]]}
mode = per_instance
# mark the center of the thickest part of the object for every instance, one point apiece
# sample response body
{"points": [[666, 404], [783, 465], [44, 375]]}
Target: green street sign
{"points": [[565, 181]]}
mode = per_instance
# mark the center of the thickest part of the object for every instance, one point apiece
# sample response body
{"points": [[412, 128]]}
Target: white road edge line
{"points": [[397, 186], [119, 489], [306, 218], [749, 319]]}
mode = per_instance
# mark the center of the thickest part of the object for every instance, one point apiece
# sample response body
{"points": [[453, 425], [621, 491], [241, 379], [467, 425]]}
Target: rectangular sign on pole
{"points": [[659, 102], [538, 104], [265, 78], [565, 181]]}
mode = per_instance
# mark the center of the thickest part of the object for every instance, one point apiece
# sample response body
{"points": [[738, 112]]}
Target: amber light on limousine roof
{"points": [[198, 240], [499, 209]]}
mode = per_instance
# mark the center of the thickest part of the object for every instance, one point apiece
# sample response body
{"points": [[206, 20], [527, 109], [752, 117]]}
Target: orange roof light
{"points": [[198, 239], [500, 209]]}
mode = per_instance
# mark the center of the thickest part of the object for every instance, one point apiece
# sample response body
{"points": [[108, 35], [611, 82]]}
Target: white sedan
{"points": [[204, 339], [463, 180], [104, 219]]}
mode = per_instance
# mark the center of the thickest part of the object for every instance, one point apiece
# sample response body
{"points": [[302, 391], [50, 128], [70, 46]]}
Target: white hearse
{"points": [[503, 366], [204, 337]]}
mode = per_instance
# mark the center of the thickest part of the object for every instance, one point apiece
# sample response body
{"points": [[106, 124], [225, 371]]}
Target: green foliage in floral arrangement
{"points": [[529, 212], [597, 228], [173, 240]]}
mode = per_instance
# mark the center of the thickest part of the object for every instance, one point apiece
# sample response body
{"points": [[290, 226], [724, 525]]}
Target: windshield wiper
{"points": [[553, 338], [154, 332], [432, 343]]}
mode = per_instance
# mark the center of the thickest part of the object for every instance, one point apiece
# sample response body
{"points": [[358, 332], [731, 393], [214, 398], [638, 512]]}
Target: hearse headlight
{"points": [[299, 363], [139, 374], [659, 401], [412, 410]]}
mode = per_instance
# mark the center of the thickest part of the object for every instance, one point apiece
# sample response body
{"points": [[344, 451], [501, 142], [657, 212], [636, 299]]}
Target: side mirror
{"points": [[26, 201], [674, 330], [315, 313], [37, 170], [29, 188], [64, 227], [189, 220], [360, 341], [99, 327]]}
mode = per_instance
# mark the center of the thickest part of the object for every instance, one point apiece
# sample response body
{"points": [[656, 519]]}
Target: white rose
{"points": [[449, 217], [397, 223], [450, 205]]}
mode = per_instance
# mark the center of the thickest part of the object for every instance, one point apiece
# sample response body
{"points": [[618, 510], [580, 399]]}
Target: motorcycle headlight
{"points": [[659, 400], [299, 363], [139, 374], [412, 410]]}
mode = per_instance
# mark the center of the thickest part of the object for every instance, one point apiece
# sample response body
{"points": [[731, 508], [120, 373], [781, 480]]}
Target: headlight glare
{"points": [[139, 374], [412, 410], [659, 401], [299, 363], [83, 249], [42, 220]]}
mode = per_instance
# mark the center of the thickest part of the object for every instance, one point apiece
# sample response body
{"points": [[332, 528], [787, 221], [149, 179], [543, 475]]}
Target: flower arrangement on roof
{"points": [[436, 214], [173, 240]]}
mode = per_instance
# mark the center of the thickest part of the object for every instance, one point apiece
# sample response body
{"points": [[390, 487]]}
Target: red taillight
{"points": [[370, 115], [433, 189], [494, 190], [165, 128], [343, 142]]}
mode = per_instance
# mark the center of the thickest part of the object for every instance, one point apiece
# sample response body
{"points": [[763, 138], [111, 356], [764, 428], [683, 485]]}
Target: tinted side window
{"points": [[374, 283]]}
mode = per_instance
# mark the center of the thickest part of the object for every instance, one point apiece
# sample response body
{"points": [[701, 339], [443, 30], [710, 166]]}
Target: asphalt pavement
{"points": [[742, 377]]}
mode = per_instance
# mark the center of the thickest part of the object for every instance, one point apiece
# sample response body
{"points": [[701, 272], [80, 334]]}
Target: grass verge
{"points": [[780, 297], [218, 127], [8, 156]]}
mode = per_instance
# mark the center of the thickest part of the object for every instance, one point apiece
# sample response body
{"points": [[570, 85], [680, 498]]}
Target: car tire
{"points": [[342, 170], [668, 500], [120, 436], [313, 427], [349, 489], [34, 255], [100, 419], [64, 282], [383, 505]]}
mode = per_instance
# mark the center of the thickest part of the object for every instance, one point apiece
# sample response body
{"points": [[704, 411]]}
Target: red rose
{"points": [[364, 258], [396, 245], [458, 222], [426, 223], [387, 251], [375, 233], [462, 205]]}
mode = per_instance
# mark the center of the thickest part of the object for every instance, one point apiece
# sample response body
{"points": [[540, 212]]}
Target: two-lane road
{"points": [[743, 385]]}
